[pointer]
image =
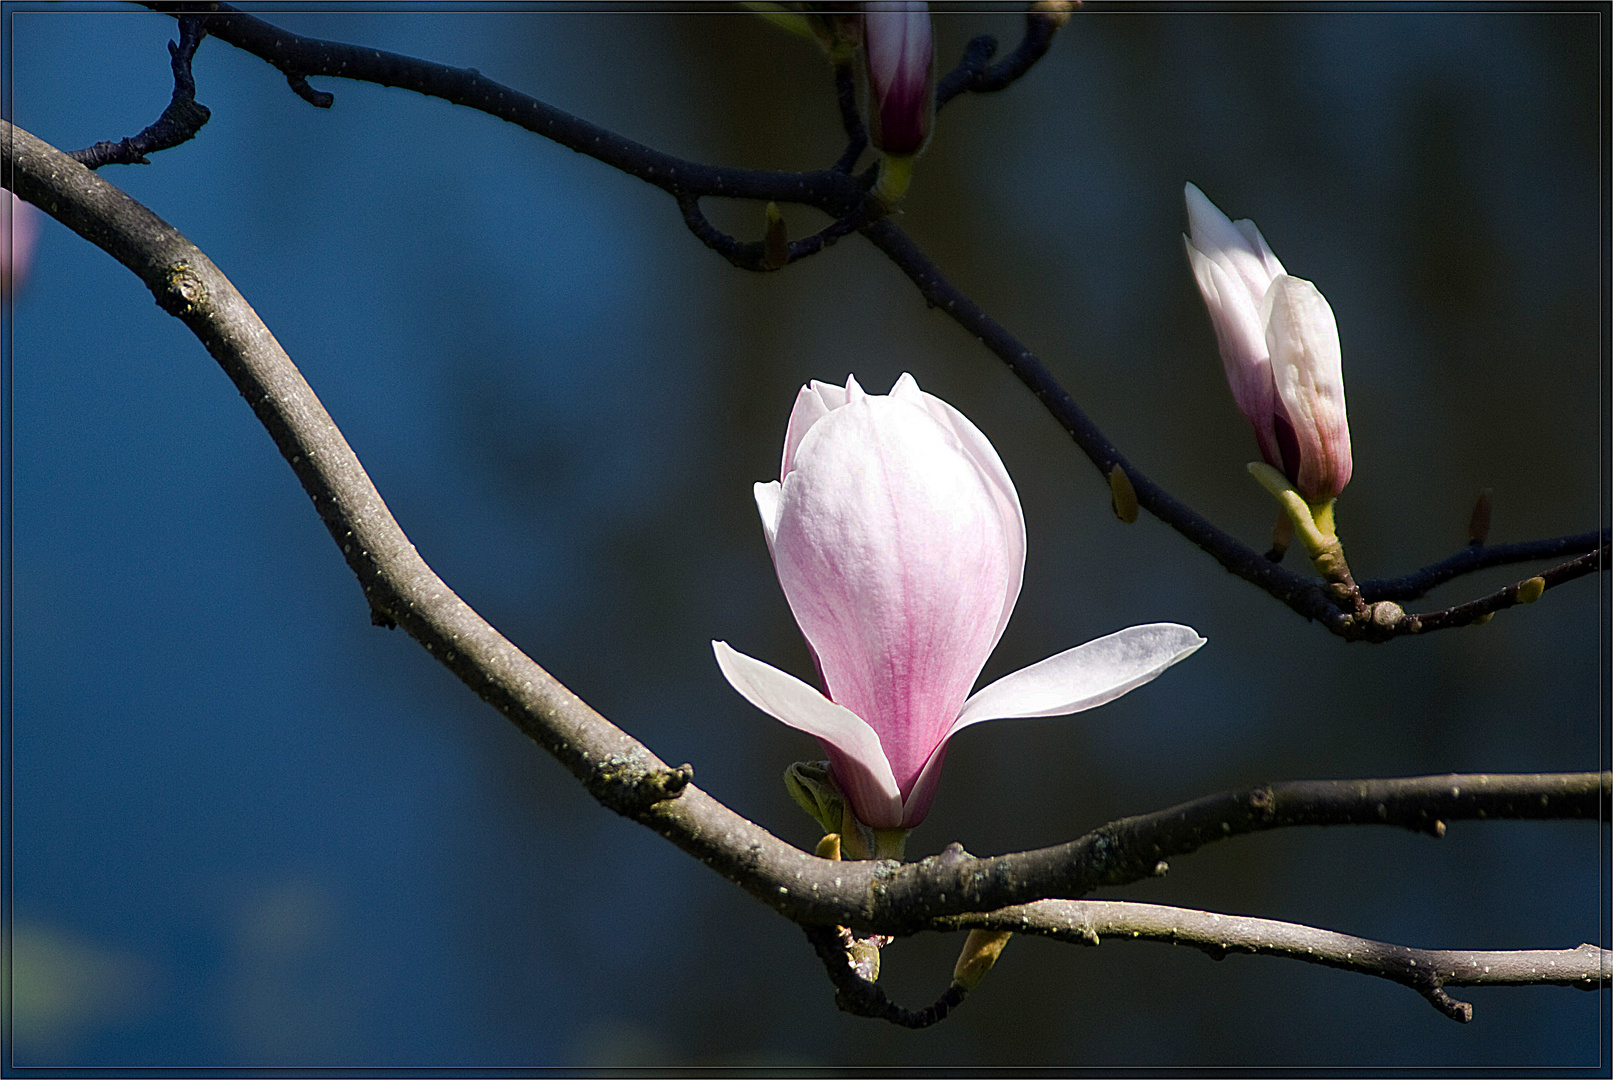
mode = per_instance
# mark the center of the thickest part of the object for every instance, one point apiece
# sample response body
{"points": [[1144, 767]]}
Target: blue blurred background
{"points": [[249, 829]]}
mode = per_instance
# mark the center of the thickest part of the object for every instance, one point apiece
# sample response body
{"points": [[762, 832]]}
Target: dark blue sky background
{"points": [[248, 829]]}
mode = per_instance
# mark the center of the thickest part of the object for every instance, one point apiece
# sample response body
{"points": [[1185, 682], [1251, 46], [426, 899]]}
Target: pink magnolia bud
{"points": [[899, 50], [1280, 345], [21, 228], [900, 544]]}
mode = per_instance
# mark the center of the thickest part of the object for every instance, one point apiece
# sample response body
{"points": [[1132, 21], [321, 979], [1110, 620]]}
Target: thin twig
{"points": [[1514, 594], [972, 74], [751, 255], [835, 193], [1304, 595], [179, 122], [1418, 583], [850, 118], [840, 195], [861, 997], [1428, 971]]}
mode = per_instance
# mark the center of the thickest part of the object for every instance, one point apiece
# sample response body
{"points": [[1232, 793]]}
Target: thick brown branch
{"points": [[1428, 971]]}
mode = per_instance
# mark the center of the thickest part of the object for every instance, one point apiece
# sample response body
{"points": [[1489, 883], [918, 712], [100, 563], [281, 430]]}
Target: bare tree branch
{"points": [[179, 122], [975, 74], [1428, 971], [1521, 592], [842, 196], [835, 193], [1307, 596]]}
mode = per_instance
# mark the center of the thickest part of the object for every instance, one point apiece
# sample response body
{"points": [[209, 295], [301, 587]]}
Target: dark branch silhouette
{"points": [[974, 73], [1367, 613], [1416, 585], [179, 122]]}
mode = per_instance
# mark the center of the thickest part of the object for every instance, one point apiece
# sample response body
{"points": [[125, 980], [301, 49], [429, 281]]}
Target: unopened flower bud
{"points": [[899, 54], [1280, 346]]}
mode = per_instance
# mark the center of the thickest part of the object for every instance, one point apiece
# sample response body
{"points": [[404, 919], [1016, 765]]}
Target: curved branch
{"points": [[842, 196], [752, 254], [1427, 971], [1302, 594], [179, 122], [836, 193], [400, 587], [620, 772], [1520, 592], [973, 75], [861, 996]]}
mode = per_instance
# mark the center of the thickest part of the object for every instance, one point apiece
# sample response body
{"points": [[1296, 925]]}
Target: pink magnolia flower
{"points": [[1280, 345], [17, 244], [900, 545], [899, 50]]}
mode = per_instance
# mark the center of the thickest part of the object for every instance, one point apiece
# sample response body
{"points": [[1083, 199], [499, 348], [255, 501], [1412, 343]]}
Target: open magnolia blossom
{"points": [[900, 544], [1280, 345]]}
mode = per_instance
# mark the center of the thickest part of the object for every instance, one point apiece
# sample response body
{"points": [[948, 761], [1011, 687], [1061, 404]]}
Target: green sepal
{"points": [[814, 791]]}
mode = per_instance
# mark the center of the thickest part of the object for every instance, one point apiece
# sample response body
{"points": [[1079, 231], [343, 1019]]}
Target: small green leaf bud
{"points": [[1122, 496], [979, 953], [776, 244]]}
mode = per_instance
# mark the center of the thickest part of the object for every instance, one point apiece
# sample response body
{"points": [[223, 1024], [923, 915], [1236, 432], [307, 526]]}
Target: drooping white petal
{"points": [[1083, 677], [791, 701]]}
